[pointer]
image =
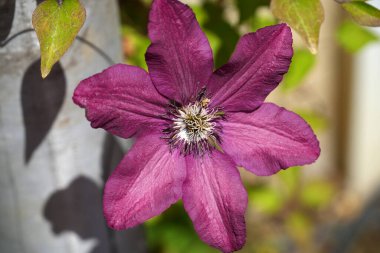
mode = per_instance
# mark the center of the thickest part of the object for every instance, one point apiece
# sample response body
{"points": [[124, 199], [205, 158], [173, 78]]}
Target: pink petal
{"points": [[254, 70], [121, 99], [147, 181], [179, 59], [215, 199], [269, 139]]}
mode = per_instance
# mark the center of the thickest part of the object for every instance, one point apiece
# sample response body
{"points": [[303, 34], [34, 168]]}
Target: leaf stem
{"points": [[97, 49]]}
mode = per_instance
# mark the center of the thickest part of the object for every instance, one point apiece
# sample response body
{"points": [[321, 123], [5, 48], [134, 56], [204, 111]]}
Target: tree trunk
{"points": [[52, 163]]}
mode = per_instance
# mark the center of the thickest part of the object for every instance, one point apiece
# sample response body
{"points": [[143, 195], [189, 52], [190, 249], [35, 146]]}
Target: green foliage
{"points": [[173, 232], [353, 37], [303, 61], [317, 194], [299, 226], [304, 16], [316, 121], [262, 18], [218, 26], [56, 26], [290, 180], [135, 46], [271, 200], [135, 13], [362, 13], [247, 8], [266, 199]]}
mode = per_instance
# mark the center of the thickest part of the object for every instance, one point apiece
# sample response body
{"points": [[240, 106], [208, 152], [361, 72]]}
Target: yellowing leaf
{"points": [[304, 16], [363, 13], [56, 26]]}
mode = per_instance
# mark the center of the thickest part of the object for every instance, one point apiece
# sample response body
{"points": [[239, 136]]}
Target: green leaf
{"points": [[173, 232], [353, 37], [302, 62], [362, 13], [304, 16], [56, 26]]}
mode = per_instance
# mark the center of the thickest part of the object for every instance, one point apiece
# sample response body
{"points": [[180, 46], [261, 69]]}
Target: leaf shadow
{"points": [[77, 208], [41, 101], [112, 155], [7, 11], [134, 238]]}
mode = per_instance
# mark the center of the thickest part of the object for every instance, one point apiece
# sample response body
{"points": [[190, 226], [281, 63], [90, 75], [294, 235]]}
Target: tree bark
{"points": [[52, 163]]}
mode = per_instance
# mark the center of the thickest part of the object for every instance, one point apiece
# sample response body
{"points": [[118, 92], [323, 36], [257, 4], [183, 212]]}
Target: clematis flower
{"points": [[194, 126]]}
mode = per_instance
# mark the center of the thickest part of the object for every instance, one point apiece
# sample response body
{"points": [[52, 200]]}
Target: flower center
{"points": [[194, 127]]}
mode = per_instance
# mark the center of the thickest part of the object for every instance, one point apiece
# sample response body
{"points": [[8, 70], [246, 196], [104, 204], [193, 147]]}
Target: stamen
{"points": [[194, 128]]}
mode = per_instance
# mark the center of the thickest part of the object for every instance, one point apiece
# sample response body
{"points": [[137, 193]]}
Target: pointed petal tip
{"points": [[121, 100], [77, 97], [278, 139], [284, 26], [238, 85], [113, 224], [216, 201], [315, 150], [179, 58]]}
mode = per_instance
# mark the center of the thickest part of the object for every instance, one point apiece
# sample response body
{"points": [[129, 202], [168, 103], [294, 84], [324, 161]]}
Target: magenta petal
{"points": [[269, 139], [215, 199], [179, 59], [121, 99], [146, 182], [254, 70]]}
